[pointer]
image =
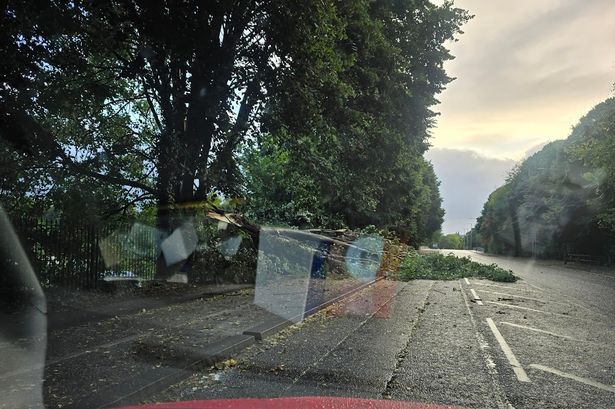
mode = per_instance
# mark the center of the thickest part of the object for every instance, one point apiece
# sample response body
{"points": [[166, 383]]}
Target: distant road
{"points": [[592, 288]]}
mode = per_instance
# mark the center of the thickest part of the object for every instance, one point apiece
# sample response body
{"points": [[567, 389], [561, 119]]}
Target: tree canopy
{"points": [[561, 199], [316, 112]]}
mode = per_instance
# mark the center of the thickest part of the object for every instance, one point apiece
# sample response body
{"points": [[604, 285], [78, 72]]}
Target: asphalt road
{"points": [[543, 342], [591, 287], [559, 323]]}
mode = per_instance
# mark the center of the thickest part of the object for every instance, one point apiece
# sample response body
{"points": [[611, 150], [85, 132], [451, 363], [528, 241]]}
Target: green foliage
{"points": [[144, 98], [452, 241], [316, 111], [278, 194], [436, 266], [593, 142], [561, 198], [358, 136], [223, 254]]}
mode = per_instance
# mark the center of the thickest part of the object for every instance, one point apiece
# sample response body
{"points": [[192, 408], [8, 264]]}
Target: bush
{"points": [[436, 266]]}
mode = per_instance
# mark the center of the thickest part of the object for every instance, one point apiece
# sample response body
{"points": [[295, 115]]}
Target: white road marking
{"points": [[534, 286], [542, 331], [532, 299], [525, 308], [574, 378], [466, 280], [567, 303], [502, 400], [503, 286], [476, 297], [519, 371], [517, 296]]}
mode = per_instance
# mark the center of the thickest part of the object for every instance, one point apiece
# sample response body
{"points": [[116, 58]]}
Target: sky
{"points": [[526, 72]]}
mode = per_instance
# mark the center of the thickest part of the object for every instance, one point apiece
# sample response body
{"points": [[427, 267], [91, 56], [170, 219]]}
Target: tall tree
{"points": [[559, 199], [90, 86], [362, 147], [158, 101]]}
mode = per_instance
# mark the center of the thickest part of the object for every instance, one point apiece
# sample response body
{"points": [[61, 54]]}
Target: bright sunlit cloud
{"points": [[526, 72]]}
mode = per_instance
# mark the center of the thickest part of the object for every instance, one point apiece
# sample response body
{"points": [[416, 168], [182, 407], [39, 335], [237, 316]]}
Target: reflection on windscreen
{"points": [[257, 198], [295, 273], [293, 265]]}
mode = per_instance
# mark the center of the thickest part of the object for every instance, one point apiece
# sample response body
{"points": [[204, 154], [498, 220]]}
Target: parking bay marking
{"points": [[528, 298], [574, 377], [476, 297], [501, 400], [517, 296], [539, 330], [525, 308], [503, 286], [535, 286], [533, 299], [516, 366]]}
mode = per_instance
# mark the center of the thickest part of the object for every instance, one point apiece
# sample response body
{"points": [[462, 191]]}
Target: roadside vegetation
{"points": [[453, 241], [560, 200], [311, 114], [436, 266]]}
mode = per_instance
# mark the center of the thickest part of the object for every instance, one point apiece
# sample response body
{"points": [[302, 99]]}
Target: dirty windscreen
{"points": [[318, 203]]}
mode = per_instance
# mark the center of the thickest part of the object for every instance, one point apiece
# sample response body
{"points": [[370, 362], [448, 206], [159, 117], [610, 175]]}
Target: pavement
{"points": [[542, 342], [63, 313], [97, 350]]}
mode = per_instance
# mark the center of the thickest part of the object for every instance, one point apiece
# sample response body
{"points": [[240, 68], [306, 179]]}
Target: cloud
{"points": [[466, 180], [525, 71], [535, 149]]}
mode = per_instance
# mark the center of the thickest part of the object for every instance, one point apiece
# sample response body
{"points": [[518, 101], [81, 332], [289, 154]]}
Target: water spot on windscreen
{"points": [[141, 241], [145, 240], [180, 244], [229, 247], [363, 257]]}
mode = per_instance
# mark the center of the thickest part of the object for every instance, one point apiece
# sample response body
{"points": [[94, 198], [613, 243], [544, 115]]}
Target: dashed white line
{"points": [[516, 366], [466, 280], [501, 399], [542, 331], [574, 378], [476, 297]]}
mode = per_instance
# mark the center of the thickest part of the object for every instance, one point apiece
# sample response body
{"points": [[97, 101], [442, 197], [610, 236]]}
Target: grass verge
{"points": [[436, 266]]}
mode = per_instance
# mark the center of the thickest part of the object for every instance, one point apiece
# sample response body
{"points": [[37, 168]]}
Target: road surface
{"points": [[543, 342], [592, 288]]}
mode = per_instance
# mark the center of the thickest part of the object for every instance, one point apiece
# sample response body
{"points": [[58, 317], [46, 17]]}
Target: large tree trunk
{"points": [[193, 125]]}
